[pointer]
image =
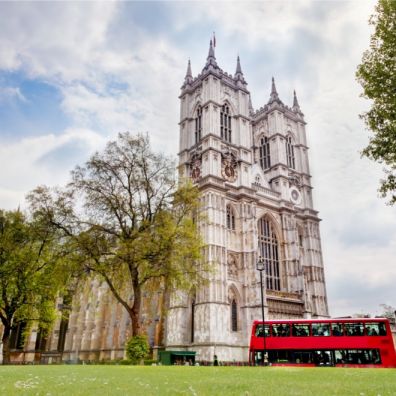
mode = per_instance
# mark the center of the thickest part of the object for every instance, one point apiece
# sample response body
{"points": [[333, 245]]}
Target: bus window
{"points": [[337, 329], [281, 330], [354, 329], [340, 357], [323, 358], [373, 329], [320, 329], [382, 329], [300, 330], [358, 356], [260, 331]]}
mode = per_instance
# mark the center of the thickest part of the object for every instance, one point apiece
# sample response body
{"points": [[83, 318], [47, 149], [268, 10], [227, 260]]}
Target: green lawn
{"points": [[143, 380]]}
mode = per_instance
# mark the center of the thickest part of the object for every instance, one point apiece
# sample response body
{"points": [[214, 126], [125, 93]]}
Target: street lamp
{"points": [[260, 266]]}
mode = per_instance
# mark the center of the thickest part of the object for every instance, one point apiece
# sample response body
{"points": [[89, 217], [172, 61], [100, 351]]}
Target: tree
{"points": [[388, 312], [30, 273], [130, 221], [377, 76], [137, 348]]}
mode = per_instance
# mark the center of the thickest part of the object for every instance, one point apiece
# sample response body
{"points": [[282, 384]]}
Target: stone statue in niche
{"points": [[195, 167], [232, 266]]}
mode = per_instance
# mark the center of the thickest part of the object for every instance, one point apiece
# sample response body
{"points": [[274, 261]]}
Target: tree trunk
{"points": [[6, 344], [135, 311]]}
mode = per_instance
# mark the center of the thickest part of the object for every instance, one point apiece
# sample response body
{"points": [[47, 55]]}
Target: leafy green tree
{"points": [[137, 348], [31, 273], [130, 221], [377, 75]]}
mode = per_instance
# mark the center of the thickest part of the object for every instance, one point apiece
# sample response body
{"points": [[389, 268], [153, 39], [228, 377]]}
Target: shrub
{"points": [[137, 348], [125, 362], [149, 362]]}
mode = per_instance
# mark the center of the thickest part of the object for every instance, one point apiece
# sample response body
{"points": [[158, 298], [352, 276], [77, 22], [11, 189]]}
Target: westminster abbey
{"points": [[252, 168]]}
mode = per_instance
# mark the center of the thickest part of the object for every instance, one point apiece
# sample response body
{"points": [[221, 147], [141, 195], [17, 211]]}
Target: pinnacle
{"points": [[274, 97], [238, 68], [211, 59], [295, 101], [296, 105], [251, 110], [273, 88], [238, 72], [189, 74], [189, 78], [211, 53]]}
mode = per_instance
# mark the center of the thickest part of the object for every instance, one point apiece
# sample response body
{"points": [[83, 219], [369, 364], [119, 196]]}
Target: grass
{"points": [[142, 380]]}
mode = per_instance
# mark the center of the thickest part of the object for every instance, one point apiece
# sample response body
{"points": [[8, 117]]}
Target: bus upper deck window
{"points": [[337, 329], [320, 329]]}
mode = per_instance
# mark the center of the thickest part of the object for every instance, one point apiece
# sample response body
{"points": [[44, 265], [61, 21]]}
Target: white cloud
{"points": [[26, 163], [54, 40], [115, 76]]}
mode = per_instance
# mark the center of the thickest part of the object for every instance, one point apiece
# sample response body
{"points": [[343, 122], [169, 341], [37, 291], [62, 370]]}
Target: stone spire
{"points": [[188, 79], [251, 110], [238, 68], [238, 72], [296, 106], [211, 59], [274, 94]]}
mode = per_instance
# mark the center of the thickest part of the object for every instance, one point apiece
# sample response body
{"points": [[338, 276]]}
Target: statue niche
{"points": [[232, 266]]}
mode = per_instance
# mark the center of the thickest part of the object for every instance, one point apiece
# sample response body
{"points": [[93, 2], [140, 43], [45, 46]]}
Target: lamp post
{"points": [[260, 266]]}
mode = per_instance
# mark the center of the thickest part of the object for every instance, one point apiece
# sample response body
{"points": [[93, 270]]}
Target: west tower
{"points": [[252, 168]]}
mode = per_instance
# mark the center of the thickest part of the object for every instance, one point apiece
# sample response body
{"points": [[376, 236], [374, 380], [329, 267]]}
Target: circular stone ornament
{"points": [[295, 196]]}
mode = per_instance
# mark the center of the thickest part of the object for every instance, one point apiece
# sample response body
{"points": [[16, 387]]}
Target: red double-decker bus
{"points": [[323, 342]]}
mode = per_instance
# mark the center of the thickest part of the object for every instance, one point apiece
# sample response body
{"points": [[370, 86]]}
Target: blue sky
{"points": [[73, 75]]}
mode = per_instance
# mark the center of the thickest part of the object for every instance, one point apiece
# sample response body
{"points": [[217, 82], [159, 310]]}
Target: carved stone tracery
{"points": [[229, 165]]}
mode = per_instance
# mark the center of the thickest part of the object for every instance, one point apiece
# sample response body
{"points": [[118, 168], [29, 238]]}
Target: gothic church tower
{"points": [[252, 169]]}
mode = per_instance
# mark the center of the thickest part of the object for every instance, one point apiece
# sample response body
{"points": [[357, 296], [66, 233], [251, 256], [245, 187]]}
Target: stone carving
{"points": [[232, 265], [228, 166], [295, 180], [195, 167]]}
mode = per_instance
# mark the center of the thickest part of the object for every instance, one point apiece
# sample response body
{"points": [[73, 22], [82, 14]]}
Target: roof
{"points": [[324, 320]]}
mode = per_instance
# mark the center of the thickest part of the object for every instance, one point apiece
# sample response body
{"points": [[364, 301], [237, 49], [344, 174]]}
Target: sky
{"points": [[73, 75]]}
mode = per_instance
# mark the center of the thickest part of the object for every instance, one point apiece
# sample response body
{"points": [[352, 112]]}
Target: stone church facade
{"points": [[252, 169]]}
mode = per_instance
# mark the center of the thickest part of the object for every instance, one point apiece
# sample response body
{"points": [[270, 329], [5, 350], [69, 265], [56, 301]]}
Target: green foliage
{"points": [[32, 272], [129, 221], [377, 75], [125, 362], [137, 348]]}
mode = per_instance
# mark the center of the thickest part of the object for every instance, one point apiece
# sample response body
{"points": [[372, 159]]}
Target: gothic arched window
{"points": [[198, 125], [268, 247], [290, 153], [300, 236], [265, 156], [234, 316], [225, 123], [17, 337], [230, 218]]}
